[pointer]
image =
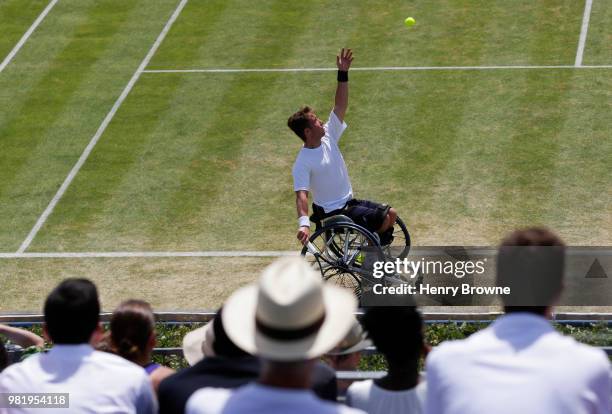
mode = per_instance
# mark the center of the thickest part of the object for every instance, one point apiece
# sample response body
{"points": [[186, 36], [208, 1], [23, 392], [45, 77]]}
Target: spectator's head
{"points": [[72, 312], [397, 333], [132, 328], [531, 262], [3, 356], [210, 340], [289, 317], [306, 124], [346, 355]]}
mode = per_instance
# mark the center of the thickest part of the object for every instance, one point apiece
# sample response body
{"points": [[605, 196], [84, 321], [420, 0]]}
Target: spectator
{"points": [[520, 364], [132, 336], [289, 318], [397, 333], [347, 354], [94, 381], [217, 362]]}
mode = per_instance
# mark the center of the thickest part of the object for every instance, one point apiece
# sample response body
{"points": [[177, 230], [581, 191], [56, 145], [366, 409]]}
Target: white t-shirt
{"points": [[96, 382], [260, 399], [518, 365], [369, 397], [322, 170]]}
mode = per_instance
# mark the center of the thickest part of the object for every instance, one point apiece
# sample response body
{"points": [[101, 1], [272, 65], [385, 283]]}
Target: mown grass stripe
{"points": [[15, 18], [529, 166], [41, 220], [436, 104], [41, 125], [27, 35], [217, 155], [122, 170], [583, 175], [599, 42]]}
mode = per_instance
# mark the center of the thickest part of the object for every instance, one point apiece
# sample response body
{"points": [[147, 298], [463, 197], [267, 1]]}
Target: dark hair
{"points": [[3, 356], [397, 332], [72, 311], [531, 262], [131, 327], [299, 121], [222, 344]]}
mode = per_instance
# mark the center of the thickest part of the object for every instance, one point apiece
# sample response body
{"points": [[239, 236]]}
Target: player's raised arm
{"points": [[343, 62]]}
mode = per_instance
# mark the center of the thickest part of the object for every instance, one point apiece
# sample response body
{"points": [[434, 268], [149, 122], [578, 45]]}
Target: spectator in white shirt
{"points": [[93, 381], [397, 333], [520, 364], [289, 319]]}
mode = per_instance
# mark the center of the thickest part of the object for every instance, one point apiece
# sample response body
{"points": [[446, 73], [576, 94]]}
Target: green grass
{"points": [[16, 17], [448, 150], [202, 161], [599, 40]]}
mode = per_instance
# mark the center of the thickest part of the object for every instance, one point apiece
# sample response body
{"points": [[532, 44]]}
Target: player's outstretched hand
{"points": [[344, 59], [303, 234]]}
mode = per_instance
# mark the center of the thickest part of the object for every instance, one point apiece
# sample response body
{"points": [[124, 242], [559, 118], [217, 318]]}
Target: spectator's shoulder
{"points": [[359, 387], [119, 365], [208, 400], [586, 356], [20, 374], [448, 349], [343, 409], [459, 348]]}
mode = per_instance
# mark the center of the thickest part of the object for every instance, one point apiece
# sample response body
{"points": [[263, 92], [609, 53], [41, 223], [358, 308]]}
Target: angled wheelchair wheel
{"points": [[344, 254], [400, 246]]}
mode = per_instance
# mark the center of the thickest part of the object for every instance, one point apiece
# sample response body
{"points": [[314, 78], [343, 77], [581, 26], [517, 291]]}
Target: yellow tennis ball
{"points": [[409, 21]]}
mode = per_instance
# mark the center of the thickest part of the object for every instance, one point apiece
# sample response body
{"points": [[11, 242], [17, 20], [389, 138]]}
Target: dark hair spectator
{"points": [[531, 262], [72, 312], [132, 336], [397, 333]]}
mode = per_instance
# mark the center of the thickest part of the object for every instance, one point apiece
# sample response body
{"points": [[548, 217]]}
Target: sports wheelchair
{"points": [[344, 252]]}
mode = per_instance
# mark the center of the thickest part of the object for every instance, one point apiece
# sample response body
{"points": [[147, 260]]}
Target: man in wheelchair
{"points": [[320, 168]]}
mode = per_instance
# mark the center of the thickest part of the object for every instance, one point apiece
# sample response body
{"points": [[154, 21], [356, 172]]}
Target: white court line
{"points": [[575, 251], [84, 255], [583, 32], [376, 68], [26, 35], [41, 220]]}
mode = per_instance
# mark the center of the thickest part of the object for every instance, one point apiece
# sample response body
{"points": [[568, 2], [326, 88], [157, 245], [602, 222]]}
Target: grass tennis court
{"points": [[200, 161]]}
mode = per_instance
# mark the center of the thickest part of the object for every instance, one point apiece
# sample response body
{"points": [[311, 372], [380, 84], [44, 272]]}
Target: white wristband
{"points": [[304, 221]]}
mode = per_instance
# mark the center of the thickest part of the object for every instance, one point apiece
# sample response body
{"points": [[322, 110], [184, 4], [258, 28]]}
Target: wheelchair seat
{"points": [[337, 219]]}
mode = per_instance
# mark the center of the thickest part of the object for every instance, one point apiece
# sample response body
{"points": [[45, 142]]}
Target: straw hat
{"points": [[197, 344], [288, 315]]}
